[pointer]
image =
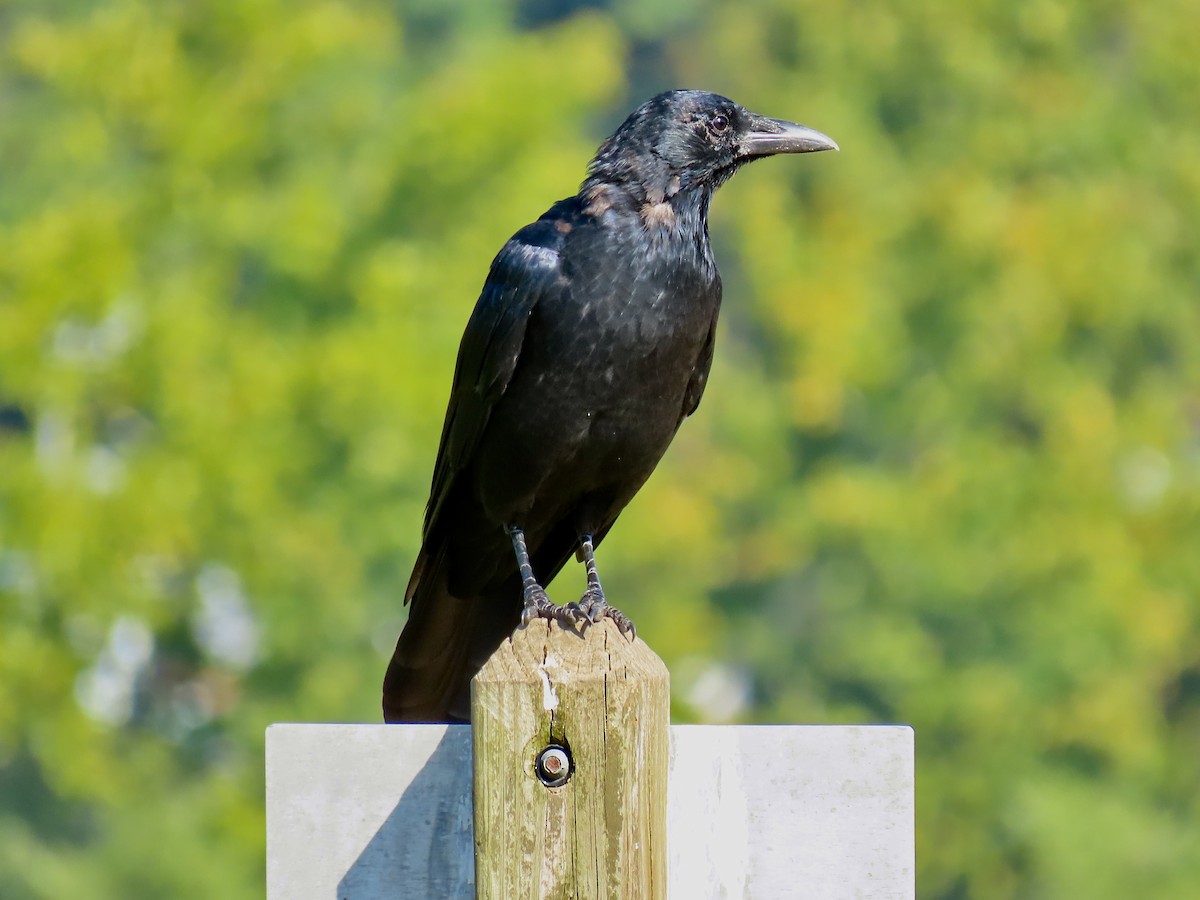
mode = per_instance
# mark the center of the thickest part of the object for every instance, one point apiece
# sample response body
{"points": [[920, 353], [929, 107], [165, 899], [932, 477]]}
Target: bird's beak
{"points": [[770, 136]]}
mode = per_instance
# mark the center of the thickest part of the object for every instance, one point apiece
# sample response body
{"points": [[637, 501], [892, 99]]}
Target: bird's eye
{"points": [[719, 124]]}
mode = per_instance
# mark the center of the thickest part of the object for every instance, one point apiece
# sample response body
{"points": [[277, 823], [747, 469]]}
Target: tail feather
{"points": [[444, 643], [449, 637]]}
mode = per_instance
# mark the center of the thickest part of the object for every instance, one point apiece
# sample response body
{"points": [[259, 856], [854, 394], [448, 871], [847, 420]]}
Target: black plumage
{"points": [[590, 343]]}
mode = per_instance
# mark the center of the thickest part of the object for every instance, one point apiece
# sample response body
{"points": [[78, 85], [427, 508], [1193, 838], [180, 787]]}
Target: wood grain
{"points": [[606, 698]]}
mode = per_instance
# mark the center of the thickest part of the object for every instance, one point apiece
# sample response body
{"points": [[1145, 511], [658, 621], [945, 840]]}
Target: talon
{"points": [[568, 616], [625, 625], [592, 602], [593, 607], [537, 605], [586, 604]]}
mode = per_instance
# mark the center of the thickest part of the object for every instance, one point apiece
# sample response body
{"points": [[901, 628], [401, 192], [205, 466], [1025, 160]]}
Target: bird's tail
{"points": [[444, 643]]}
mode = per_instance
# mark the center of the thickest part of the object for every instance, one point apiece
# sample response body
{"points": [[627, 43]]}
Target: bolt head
{"points": [[553, 766]]}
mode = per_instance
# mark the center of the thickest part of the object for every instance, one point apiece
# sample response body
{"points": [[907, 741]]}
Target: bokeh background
{"points": [[947, 471]]}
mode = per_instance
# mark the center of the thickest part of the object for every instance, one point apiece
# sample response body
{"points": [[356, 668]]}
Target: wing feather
{"points": [[525, 272]]}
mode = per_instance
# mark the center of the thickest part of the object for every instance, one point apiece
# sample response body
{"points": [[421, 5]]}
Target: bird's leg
{"points": [[538, 604], [592, 606], [594, 594]]}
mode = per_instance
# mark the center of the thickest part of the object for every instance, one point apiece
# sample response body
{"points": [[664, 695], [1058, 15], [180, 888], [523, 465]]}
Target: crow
{"points": [[589, 345]]}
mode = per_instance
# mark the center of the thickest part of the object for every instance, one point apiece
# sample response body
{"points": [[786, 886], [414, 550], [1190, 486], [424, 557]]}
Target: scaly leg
{"points": [[538, 604], [592, 607]]}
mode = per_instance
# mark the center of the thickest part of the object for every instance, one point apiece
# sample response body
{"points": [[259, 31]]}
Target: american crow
{"points": [[590, 344]]}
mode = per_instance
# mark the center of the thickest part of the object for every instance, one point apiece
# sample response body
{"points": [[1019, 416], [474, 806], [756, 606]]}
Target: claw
{"points": [[592, 607], [591, 601], [537, 605]]}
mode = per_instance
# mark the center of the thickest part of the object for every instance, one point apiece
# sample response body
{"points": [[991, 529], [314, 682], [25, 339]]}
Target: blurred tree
{"points": [[947, 471]]}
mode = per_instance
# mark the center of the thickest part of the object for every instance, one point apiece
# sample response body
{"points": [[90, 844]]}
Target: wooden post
{"points": [[605, 700]]}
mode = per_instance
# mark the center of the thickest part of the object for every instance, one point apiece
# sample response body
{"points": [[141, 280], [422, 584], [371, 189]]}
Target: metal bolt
{"points": [[553, 766]]}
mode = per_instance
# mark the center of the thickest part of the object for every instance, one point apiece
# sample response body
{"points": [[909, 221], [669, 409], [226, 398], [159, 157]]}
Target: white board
{"points": [[363, 812]]}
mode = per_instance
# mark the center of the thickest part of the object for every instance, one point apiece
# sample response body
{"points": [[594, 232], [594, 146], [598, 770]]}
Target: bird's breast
{"points": [[604, 367], [621, 346]]}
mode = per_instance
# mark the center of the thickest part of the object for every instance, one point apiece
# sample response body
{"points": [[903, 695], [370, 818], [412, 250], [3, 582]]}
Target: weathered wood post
{"points": [[595, 708]]}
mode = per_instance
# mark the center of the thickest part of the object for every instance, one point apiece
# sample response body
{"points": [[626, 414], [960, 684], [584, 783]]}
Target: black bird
{"points": [[590, 344]]}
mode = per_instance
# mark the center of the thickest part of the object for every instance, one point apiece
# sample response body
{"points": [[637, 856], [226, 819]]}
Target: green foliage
{"points": [[947, 471]]}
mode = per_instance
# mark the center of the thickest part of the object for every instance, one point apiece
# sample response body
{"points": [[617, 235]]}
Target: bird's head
{"points": [[687, 140]]}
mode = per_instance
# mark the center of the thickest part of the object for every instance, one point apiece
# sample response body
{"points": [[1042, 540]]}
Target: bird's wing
{"points": [[695, 388], [527, 270]]}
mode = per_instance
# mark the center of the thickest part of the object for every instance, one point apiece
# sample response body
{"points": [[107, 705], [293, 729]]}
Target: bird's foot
{"points": [[592, 607], [538, 605]]}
